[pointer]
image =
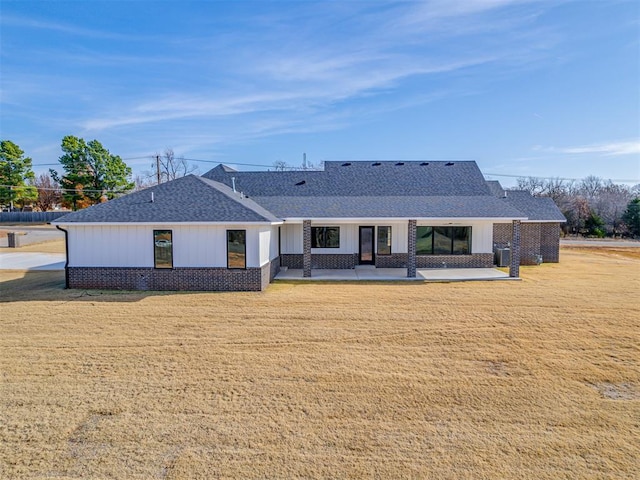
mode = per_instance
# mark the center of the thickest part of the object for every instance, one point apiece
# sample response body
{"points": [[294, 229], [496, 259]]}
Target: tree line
{"points": [[593, 206], [90, 175]]}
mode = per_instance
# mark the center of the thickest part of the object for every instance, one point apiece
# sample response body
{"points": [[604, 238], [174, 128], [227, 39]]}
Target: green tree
{"points": [[15, 172], [595, 225], [631, 216], [92, 173]]}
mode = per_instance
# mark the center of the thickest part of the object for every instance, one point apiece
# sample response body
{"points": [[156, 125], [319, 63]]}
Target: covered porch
{"points": [[372, 273]]}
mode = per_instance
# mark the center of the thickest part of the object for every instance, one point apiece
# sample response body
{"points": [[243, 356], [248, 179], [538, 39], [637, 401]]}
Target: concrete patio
{"points": [[368, 273]]}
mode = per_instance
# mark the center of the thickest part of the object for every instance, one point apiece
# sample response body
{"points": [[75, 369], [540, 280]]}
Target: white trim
{"points": [[135, 224], [377, 220]]}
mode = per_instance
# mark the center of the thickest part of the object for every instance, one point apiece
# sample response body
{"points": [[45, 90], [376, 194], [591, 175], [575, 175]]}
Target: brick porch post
{"points": [[306, 248], [411, 260], [514, 268]]}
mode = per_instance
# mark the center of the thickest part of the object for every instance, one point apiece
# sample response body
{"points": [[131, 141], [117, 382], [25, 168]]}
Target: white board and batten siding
{"points": [[291, 235], [193, 245]]}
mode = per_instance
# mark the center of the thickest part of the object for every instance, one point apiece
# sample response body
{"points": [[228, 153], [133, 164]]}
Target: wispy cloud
{"points": [[606, 149]]}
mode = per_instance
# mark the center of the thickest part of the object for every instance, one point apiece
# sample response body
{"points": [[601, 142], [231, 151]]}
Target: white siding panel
{"points": [[291, 240], [274, 247], [399, 237], [265, 240], [110, 246], [193, 245]]}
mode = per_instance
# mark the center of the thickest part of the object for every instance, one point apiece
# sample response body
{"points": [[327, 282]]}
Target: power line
{"points": [[78, 190], [559, 178]]}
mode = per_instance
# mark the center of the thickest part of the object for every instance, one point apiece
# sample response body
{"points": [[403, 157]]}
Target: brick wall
{"points": [[193, 279], [320, 260], [395, 260], [535, 239], [291, 260], [411, 254], [306, 248], [476, 260], [514, 267], [550, 242]]}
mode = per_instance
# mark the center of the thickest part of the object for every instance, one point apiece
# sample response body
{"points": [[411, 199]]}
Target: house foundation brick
{"points": [[176, 279], [476, 260], [537, 239], [395, 260]]}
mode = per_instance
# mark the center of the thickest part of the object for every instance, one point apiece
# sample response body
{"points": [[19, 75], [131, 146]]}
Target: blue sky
{"points": [[524, 88]]}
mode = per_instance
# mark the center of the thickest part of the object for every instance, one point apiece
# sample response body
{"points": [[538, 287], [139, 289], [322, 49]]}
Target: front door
{"points": [[367, 255]]}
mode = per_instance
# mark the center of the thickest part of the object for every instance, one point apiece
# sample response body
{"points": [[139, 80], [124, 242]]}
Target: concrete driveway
{"points": [[31, 261], [30, 234]]}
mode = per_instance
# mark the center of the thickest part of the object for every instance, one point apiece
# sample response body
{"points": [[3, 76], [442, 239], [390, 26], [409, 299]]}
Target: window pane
{"points": [[442, 240], [236, 248], [317, 237], [162, 249], [461, 240], [333, 237], [325, 237], [384, 240], [424, 241]]}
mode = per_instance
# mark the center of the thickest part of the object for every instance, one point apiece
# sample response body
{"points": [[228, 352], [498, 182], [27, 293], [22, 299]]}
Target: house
{"points": [[231, 230]]}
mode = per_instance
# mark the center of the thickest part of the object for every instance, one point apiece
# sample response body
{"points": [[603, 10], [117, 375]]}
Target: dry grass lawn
{"points": [[532, 379]]}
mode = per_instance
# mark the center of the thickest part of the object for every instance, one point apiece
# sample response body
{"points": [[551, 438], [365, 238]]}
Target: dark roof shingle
{"points": [[186, 199]]}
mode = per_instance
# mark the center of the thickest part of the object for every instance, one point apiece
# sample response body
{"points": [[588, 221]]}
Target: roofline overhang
{"points": [[344, 220], [132, 224]]}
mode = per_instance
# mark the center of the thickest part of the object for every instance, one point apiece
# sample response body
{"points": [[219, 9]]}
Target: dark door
{"points": [[366, 246]]}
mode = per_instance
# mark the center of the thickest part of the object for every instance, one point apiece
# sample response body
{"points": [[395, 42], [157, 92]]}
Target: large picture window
{"points": [[236, 249], [384, 241], [325, 237], [443, 241], [162, 249]]}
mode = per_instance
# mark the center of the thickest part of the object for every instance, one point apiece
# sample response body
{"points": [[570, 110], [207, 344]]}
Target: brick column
{"points": [[514, 268], [306, 248], [411, 250]]}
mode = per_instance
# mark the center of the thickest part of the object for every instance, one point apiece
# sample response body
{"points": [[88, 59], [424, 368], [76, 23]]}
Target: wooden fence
{"points": [[30, 217]]}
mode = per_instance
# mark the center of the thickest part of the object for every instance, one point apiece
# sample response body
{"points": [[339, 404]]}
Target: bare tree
{"points": [[49, 193], [169, 167], [534, 185], [591, 186], [281, 166], [145, 180]]}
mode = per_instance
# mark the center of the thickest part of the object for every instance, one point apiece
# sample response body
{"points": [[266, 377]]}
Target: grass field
{"points": [[532, 379]]}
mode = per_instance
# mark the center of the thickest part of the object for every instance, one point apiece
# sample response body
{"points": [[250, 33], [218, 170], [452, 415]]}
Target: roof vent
{"points": [[376, 164], [399, 164], [346, 164], [302, 182], [448, 164], [424, 164]]}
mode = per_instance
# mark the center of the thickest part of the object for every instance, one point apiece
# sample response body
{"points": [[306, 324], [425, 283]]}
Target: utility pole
{"points": [[158, 168]]}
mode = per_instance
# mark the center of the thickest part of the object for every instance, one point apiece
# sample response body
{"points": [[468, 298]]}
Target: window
{"points": [[236, 249], [443, 241], [162, 249], [424, 241], [384, 241], [325, 237]]}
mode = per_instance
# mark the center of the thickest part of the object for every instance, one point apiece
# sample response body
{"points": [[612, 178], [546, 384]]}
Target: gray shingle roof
{"points": [[535, 208], [186, 199], [362, 179], [389, 206]]}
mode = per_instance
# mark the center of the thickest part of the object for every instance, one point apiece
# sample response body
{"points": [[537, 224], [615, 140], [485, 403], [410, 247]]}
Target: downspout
{"points": [[66, 251]]}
